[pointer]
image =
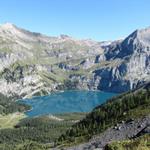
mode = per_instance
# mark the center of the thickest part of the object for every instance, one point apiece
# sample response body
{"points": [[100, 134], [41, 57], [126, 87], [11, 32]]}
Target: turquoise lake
{"points": [[66, 102]]}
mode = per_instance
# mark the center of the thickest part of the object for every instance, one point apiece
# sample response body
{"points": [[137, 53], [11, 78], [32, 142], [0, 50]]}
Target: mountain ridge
{"points": [[36, 64]]}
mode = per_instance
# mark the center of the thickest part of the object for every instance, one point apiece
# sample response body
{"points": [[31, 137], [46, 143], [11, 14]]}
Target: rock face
{"points": [[35, 64], [129, 63]]}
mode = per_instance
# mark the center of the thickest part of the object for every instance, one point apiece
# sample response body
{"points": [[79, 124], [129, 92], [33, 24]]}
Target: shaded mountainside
{"points": [[35, 64], [124, 108]]}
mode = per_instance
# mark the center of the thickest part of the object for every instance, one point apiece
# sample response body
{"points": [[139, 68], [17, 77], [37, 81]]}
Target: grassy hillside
{"points": [[27, 145], [10, 120], [35, 133], [141, 143], [133, 104]]}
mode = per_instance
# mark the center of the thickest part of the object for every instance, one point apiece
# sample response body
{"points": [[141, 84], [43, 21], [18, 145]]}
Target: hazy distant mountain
{"points": [[34, 64]]}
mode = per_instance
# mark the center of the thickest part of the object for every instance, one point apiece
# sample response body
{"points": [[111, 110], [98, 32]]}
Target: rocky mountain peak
{"points": [[9, 29], [136, 42], [139, 36], [64, 36], [8, 25], [144, 36], [20, 35]]}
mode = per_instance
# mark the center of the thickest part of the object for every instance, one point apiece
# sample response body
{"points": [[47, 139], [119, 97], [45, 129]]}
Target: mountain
{"points": [[36, 64], [132, 62], [123, 117]]}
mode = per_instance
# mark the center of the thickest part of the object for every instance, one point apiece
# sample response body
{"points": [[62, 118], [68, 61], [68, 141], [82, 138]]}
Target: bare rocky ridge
{"points": [[35, 64], [122, 131]]}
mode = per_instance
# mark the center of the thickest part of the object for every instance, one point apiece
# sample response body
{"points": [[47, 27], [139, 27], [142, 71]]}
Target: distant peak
{"points": [[8, 25], [144, 31], [139, 33], [63, 36]]}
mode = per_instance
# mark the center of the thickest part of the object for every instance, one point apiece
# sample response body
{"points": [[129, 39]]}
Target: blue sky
{"points": [[96, 19]]}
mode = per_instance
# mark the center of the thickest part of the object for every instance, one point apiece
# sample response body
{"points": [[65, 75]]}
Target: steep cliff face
{"points": [[130, 65], [35, 64]]}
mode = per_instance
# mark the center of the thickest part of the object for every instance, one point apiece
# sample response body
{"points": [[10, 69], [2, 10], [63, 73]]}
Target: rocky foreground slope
{"points": [[125, 130], [35, 64]]}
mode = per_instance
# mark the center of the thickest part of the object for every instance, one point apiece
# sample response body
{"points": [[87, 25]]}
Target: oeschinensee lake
{"points": [[66, 102]]}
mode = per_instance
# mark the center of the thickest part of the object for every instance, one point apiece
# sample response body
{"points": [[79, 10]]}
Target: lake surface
{"points": [[66, 102]]}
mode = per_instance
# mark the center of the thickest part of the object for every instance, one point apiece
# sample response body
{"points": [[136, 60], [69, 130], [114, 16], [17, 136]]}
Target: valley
{"points": [[65, 93], [122, 117]]}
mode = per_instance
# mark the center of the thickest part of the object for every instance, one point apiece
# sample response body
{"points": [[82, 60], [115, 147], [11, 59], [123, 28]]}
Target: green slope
{"points": [[36, 133], [133, 104], [141, 143]]}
